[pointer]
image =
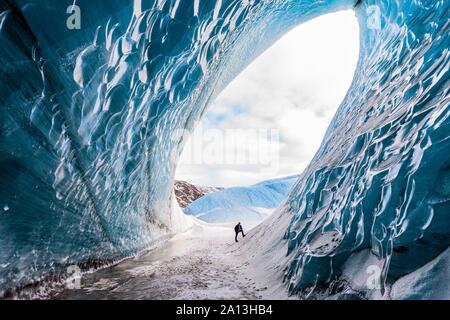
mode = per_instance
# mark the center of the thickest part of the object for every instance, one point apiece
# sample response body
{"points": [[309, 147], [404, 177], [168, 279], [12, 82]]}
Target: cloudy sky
{"points": [[271, 119]]}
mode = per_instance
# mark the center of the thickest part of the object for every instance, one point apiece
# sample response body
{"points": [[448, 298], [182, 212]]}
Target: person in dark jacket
{"points": [[237, 229]]}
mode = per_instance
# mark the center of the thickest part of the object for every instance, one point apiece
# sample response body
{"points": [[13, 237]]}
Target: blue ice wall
{"points": [[90, 119], [380, 180]]}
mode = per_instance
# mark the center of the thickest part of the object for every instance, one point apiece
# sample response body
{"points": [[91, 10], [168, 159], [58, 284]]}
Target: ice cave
{"points": [[89, 139]]}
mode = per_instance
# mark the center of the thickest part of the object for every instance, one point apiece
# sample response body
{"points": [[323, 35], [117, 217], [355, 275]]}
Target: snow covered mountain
{"points": [[186, 192], [253, 203]]}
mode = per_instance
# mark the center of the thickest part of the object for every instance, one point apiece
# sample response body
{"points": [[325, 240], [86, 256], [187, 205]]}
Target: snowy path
{"points": [[202, 263]]}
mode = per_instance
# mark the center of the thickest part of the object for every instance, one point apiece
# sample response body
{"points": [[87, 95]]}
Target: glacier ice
{"points": [[380, 177], [91, 119], [253, 203]]}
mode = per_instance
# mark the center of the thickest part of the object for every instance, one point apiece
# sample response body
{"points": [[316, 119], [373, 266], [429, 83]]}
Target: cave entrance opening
{"points": [[264, 128]]}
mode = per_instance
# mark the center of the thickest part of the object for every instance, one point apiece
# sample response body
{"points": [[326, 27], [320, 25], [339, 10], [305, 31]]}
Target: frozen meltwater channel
{"points": [[89, 140]]}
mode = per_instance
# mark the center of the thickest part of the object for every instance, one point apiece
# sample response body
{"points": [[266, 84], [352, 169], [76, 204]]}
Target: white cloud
{"points": [[294, 87]]}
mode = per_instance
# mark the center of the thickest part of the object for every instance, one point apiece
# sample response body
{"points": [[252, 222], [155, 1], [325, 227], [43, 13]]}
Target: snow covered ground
{"points": [[204, 262], [201, 263]]}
